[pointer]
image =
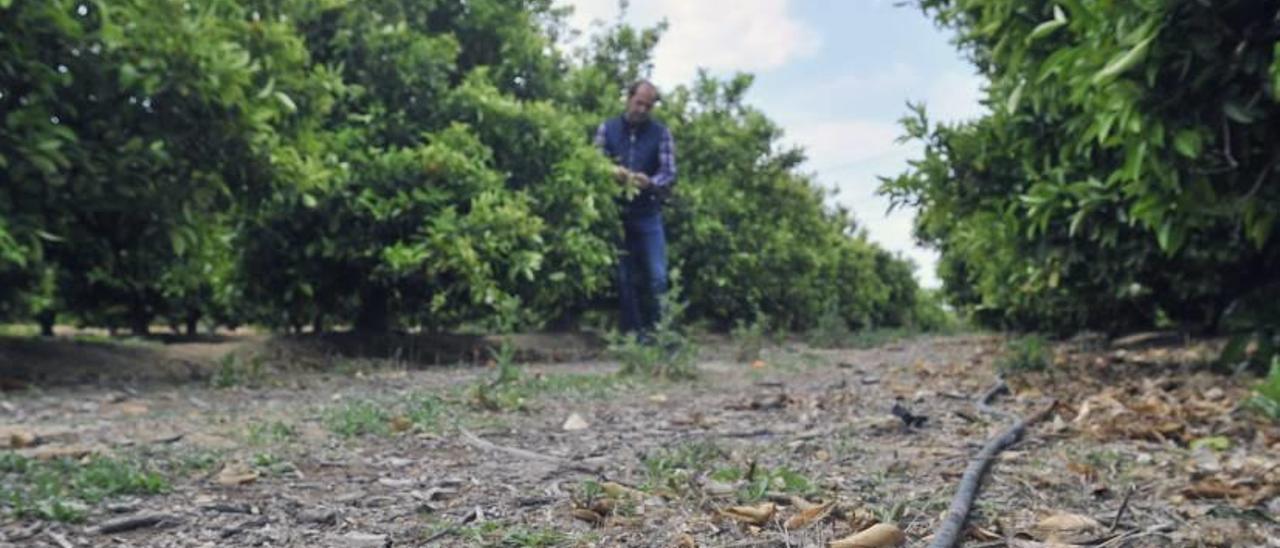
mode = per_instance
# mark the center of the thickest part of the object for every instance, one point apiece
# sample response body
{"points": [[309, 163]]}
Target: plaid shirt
{"points": [[666, 156]]}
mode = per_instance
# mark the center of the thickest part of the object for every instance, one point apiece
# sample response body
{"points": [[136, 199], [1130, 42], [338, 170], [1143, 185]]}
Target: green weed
{"points": [[62, 490]]}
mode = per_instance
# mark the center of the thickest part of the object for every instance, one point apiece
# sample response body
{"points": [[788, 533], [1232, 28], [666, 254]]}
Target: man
{"points": [[643, 154]]}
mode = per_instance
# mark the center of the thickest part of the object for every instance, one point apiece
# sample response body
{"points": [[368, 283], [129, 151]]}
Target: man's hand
{"points": [[621, 174], [626, 176]]}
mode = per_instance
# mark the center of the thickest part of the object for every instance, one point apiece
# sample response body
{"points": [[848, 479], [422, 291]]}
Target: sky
{"points": [[836, 75]]}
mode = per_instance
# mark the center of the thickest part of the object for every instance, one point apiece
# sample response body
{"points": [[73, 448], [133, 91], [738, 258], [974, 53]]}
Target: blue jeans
{"points": [[642, 271]]}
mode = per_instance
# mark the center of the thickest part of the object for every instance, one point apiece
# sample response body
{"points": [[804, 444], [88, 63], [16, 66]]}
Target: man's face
{"points": [[639, 104]]}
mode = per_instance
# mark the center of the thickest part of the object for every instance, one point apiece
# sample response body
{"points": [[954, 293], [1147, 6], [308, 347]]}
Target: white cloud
{"points": [[954, 96], [852, 155], [832, 145], [587, 12], [892, 79], [747, 35]]}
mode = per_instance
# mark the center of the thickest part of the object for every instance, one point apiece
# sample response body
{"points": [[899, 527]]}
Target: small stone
{"points": [[322, 516], [348, 498], [397, 483], [378, 502], [362, 540], [122, 507], [575, 422]]}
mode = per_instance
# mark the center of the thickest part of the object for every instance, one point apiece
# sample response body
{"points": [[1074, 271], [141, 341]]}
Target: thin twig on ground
{"points": [[477, 442], [1128, 494]]}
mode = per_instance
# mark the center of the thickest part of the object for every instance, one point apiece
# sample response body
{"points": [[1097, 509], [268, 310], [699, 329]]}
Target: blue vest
{"points": [[636, 148]]}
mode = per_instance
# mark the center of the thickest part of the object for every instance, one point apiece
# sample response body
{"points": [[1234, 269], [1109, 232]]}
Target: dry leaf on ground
{"points": [[1066, 528], [860, 518], [880, 535], [237, 474], [589, 516], [759, 514], [810, 515], [53, 452], [17, 438], [401, 423]]}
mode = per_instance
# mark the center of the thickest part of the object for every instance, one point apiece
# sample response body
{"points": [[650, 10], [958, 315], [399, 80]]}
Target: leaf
{"points": [[1188, 143], [1237, 113], [49, 237], [809, 516], [1217, 443], [400, 423], [1015, 97], [236, 474], [861, 518], [286, 101], [618, 491], [759, 514], [1123, 61], [1046, 28], [1275, 72], [1215, 489], [1066, 528], [589, 516], [179, 244], [877, 536], [132, 408], [1076, 219], [17, 438], [309, 201]]}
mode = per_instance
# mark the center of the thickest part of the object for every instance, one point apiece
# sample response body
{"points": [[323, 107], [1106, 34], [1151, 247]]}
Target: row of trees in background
{"points": [[1126, 174], [382, 164]]}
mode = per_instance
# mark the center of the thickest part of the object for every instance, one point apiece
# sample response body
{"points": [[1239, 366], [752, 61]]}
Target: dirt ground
{"points": [[1145, 446]]}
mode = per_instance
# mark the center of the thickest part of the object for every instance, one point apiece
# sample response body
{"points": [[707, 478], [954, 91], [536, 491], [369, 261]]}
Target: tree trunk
{"points": [[193, 323], [317, 323], [46, 320], [139, 322], [373, 316]]}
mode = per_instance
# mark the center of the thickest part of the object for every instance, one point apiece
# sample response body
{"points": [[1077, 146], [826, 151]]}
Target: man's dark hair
{"points": [[635, 87]]}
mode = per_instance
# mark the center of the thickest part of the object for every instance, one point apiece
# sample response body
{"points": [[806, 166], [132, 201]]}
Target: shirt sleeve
{"points": [[666, 161]]}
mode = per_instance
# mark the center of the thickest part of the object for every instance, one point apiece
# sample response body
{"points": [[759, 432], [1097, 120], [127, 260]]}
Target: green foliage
{"points": [[270, 433], [386, 164], [750, 338], [757, 482], [872, 338], [428, 412], [1122, 174], [235, 370], [831, 330], [517, 393], [1267, 394], [674, 468], [665, 353], [1025, 354], [61, 490], [358, 418]]}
